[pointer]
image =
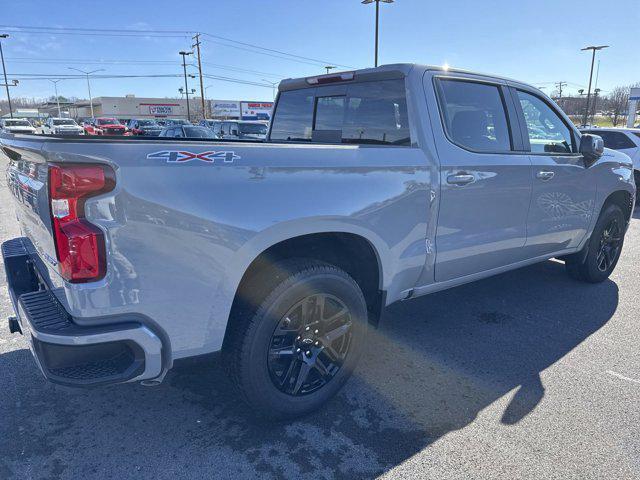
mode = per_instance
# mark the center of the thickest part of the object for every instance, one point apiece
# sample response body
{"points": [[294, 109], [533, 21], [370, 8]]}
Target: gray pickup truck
{"points": [[373, 186]]}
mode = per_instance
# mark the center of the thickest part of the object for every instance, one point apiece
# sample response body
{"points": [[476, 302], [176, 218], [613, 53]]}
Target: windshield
{"points": [[253, 128], [198, 132], [147, 123], [17, 123], [64, 122], [107, 121]]}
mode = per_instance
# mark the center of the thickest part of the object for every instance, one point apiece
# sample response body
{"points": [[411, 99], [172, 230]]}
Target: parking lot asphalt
{"points": [[525, 375]]}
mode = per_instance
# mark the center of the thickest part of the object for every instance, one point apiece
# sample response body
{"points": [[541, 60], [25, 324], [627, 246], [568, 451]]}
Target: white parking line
{"points": [[611, 372]]}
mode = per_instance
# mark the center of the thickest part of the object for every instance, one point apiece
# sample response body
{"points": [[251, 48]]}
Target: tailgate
{"points": [[27, 176]]}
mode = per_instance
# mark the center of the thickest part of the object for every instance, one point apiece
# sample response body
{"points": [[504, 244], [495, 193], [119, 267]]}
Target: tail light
{"points": [[80, 245]]}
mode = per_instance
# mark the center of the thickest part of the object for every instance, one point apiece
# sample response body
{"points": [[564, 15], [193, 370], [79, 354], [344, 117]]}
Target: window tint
{"points": [[614, 140], [474, 115], [376, 112], [371, 112], [329, 113], [293, 116], [547, 131]]}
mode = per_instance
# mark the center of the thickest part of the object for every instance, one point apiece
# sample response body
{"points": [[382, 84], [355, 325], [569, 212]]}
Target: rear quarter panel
{"points": [[180, 235]]}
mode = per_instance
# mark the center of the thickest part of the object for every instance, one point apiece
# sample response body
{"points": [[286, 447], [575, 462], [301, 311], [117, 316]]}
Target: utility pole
{"points": [[377, 2], [329, 68], [88, 84], [197, 45], [593, 59], [186, 87], [55, 85], [273, 86], [560, 85], [4, 71]]}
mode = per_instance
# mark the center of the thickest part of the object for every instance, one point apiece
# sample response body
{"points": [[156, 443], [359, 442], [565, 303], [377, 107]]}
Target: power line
{"points": [[66, 61], [163, 34], [47, 76]]}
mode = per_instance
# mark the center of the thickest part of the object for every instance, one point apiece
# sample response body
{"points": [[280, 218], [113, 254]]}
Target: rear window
{"points": [[17, 123], [293, 117], [367, 113]]}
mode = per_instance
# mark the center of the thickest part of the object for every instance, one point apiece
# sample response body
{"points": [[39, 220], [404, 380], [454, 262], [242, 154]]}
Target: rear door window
{"points": [[474, 115]]}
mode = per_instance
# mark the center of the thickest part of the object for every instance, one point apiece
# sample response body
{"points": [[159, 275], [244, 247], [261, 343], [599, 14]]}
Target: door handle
{"points": [[544, 175], [460, 179]]}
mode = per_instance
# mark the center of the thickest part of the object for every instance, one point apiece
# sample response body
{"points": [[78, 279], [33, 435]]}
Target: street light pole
{"points": [[377, 2], [88, 84], [593, 60], [186, 87], [4, 71], [55, 86]]}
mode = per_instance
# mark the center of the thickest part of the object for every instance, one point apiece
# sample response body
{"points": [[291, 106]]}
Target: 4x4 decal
{"points": [[179, 156]]}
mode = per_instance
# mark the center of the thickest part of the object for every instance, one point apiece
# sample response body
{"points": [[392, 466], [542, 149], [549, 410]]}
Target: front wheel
{"points": [[301, 344], [604, 248]]}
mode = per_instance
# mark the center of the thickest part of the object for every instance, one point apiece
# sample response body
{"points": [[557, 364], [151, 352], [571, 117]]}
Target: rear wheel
{"points": [[300, 345], [604, 248]]}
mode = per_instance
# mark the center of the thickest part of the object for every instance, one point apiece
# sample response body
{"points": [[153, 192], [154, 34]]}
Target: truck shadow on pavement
{"points": [[435, 363]]}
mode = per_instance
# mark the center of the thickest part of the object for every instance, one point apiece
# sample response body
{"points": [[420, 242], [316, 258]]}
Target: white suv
{"points": [[62, 126], [625, 140]]}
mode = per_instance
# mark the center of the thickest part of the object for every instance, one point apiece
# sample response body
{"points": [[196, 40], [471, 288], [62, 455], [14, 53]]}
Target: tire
{"points": [[292, 334], [608, 234]]}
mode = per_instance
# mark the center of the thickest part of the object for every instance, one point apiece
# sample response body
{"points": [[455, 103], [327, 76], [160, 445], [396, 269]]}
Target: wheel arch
{"points": [[624, 199], [352, 252]]}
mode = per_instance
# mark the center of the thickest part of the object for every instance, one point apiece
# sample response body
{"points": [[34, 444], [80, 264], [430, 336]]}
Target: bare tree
{"points": [[617, 102]]}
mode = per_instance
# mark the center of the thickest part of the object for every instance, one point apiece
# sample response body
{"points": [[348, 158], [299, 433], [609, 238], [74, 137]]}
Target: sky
{"points": [[535, 41]]}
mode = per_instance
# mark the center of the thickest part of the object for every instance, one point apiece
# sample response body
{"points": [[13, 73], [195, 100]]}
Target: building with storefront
{"points": [[130, 106]]}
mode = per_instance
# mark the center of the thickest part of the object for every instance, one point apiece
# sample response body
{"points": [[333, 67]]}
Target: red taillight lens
{"points": [[80, 245]]}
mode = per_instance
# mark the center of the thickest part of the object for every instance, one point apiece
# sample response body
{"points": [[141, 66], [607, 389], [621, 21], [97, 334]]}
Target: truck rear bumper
{"points": [[66, 352]]}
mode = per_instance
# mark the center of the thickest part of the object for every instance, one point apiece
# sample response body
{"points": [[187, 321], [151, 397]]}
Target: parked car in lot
{"points": [[16, 125], [240, 130], [104, 126], [186, 131], [209, 123], [372, 187], [625, 140], [62, 126], [144, 126], [176, 121]]}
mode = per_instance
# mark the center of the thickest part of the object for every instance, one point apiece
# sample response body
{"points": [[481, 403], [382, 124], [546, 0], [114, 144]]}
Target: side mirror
{"points": [[591, 147]]}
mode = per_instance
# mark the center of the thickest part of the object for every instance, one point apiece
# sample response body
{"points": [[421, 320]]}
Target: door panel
{"points": [[564, 188], [485, 184]]}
